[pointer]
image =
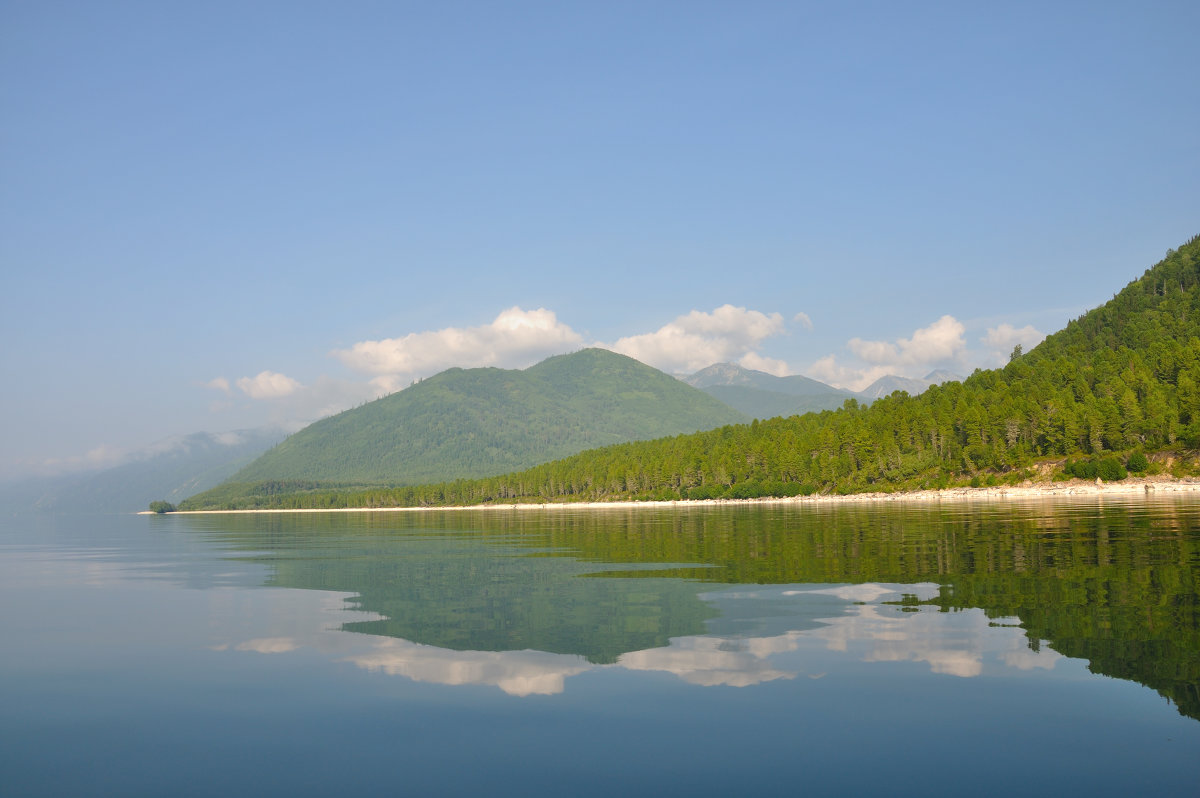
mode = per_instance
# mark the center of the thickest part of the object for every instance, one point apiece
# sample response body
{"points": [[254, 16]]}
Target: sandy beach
{"points": [[1148, 487]]}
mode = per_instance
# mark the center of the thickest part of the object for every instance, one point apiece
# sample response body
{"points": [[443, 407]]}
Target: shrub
{"points": [[1110, 470], [1083, 469], [1138, 463]]}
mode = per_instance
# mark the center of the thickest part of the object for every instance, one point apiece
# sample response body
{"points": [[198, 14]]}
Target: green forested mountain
{"points": [[1122, 379], [761, 395], [485, 421]]}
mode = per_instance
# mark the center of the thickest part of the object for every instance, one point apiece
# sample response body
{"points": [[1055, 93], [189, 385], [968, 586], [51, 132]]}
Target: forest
{"points": [[1115, 388]]}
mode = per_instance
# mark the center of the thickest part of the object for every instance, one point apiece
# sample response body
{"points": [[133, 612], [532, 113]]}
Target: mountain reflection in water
{"points": [[524, 601]]}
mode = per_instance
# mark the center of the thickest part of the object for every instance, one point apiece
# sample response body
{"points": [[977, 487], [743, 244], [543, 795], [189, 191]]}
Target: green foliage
{"points": [[1138, 463], [162, 507], [1080, 469], [1124, 377], [1108, 469]]}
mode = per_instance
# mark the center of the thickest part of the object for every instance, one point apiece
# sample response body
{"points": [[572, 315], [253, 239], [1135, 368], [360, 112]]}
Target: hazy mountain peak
{"points": [[724, 374], [172, 469], [938, 376], [762, 395]]}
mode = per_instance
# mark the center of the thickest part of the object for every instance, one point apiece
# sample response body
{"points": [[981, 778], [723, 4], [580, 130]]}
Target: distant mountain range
{"points": [[171, 469], [762, 395], [885, 386], [456, 424], [465, 423]]}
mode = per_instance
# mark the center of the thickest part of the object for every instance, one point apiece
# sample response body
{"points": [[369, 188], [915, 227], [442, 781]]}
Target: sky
{"points": [[215, 216]]}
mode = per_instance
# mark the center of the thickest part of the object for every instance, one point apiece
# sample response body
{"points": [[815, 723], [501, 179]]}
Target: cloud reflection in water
{"points": [[962, 643]]}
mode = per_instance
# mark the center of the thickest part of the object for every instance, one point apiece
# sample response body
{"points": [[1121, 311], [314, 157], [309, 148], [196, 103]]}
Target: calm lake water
{"points": [[996, 649]]}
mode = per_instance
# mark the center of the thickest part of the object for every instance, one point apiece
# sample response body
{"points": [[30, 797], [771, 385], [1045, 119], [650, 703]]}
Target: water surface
{"points": [[997, 648]]}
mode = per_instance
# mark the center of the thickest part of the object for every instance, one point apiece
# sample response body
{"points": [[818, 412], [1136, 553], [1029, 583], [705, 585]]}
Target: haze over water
{"points": [[996, 648]]}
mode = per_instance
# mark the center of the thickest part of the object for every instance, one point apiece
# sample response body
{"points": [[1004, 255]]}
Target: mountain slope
{"points": [[762, 395], [733, 374], [477, 422]]}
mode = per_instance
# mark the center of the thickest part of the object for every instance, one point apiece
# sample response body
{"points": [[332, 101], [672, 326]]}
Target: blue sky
{"points": [[214, 215]]}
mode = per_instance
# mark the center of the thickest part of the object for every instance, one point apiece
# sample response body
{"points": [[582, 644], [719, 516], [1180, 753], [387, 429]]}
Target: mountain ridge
{"points": [[762, 395], [463, 423]]}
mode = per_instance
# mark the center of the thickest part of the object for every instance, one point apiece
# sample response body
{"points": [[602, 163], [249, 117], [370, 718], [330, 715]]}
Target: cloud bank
{"points": [[515, 339], [1001, 340], [698, 339], [265, 385], [940, 341], [942, 344], [518, 338]]}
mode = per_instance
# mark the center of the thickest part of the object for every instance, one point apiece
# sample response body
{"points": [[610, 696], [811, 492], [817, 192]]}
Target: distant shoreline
{"points": [[1134, 486]]}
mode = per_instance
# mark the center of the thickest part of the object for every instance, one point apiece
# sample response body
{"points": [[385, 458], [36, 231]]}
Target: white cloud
{"points": [[830, 371], [1001, 340], [874, 351], [940, 344], [753, 360], [268, 385], [218, 384], [940, 341], [269, 645], [519, 673], [515, 339], [712, 661], [803, 320], [699, 339]]}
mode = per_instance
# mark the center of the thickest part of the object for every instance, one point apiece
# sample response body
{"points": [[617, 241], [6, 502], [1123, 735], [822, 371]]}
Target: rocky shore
{"points": [[1133, 487]]}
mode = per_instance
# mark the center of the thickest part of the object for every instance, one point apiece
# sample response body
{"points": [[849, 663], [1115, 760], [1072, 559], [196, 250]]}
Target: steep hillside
{"points": [[1122, 380], [478, 422], [761, 395]]}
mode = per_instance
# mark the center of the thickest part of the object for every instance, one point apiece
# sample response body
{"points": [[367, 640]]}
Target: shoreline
{"points": [[1132, 487]]}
